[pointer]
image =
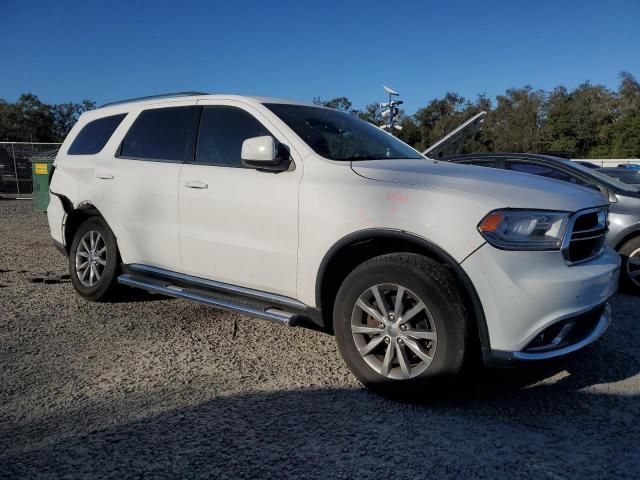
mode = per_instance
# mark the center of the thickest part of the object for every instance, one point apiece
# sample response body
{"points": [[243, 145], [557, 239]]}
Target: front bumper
{"points": [[526, 294], [588, 336]]}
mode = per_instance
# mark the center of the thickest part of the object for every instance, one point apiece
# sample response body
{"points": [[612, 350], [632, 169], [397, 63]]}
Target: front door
{"points": [[238, 225]]}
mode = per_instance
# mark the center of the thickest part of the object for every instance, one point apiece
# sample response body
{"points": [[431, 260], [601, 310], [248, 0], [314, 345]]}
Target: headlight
{"points": [[524, 229]]}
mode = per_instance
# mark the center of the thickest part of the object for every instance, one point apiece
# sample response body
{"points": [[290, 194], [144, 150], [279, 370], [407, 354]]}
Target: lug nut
{"points": [[400, 341], [403, 327], [386, 340], [381, 326]]}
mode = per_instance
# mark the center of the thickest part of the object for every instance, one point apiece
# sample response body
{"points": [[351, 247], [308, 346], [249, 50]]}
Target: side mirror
{"points": [[265, 153]]}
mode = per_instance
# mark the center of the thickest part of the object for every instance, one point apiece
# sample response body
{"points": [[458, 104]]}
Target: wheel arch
{"points": [[627, 235], [75, 217], [355, 248]]}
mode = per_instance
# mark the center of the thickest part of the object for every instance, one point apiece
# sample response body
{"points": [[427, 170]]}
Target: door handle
{"points": [[104, 176], [195, 184]]}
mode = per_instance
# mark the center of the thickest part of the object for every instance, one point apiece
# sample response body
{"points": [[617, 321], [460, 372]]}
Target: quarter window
{"points": [[222, 131], [95, 135], [160, 134]]}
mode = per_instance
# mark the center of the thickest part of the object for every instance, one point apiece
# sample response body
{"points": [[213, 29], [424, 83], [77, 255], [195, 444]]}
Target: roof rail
{"points": [[151, 97]]}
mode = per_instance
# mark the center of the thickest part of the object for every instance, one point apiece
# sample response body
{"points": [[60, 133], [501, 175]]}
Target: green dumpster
{"points": [[41, 165]]}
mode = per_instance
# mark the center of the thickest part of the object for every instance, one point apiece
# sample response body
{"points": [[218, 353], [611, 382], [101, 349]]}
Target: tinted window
{"points": [[160, 134], [629, 177], [340, 136], [485, 162], [602, 179], [95, 135], [222, 131], [543, 170]]}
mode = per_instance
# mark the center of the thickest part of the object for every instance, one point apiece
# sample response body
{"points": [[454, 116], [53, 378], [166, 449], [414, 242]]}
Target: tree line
{"points": [[590, 121], [30, 120]]}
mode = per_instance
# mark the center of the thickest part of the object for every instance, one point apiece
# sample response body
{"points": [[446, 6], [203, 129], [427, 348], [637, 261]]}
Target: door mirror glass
{"points": [[264, 153]]}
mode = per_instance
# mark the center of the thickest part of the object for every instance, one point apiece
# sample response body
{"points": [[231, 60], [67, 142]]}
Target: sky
{"points": [[111, 50]]}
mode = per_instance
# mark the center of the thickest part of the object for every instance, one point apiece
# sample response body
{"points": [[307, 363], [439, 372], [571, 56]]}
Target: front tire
{"points": [[400, 322], [94, 260], [630, 273]]}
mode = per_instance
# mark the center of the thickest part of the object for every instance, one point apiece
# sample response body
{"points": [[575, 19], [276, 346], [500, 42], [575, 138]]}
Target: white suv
{"points": [[312, 217]]}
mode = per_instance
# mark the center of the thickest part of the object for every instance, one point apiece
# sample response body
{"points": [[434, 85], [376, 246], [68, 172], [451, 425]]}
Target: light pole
{"points": [[392, 110]]}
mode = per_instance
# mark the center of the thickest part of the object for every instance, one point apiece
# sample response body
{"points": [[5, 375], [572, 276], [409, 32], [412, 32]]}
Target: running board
{"points": [[234, 304]]}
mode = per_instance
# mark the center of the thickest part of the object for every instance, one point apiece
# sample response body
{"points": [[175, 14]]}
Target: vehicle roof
{"points": [[154, 99]]}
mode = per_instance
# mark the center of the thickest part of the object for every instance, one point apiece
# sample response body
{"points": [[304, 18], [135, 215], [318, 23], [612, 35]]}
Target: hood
{"points": [[508, 189], [452, 143]]}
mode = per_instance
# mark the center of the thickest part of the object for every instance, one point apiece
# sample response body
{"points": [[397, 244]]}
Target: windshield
{"points": [[340, 136], [603, 179]]}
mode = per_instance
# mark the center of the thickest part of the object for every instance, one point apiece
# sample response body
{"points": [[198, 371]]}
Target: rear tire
{"points": [[401, 346], [94, 260], [630, 272]]}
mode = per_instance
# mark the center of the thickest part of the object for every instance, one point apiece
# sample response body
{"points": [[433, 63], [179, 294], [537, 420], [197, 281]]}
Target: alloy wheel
{"points": [[394, 331], [91, 258], [633, 267]]}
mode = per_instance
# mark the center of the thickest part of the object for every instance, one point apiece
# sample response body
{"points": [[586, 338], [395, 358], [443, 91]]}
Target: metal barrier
{"points": [[15, 167]]}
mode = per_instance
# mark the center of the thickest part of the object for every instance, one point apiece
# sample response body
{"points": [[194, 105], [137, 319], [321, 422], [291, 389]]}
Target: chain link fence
{"points": [[15, 167]]}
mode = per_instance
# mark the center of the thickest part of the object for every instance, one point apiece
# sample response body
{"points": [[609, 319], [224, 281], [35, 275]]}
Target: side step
{"points": [[216, 299]]}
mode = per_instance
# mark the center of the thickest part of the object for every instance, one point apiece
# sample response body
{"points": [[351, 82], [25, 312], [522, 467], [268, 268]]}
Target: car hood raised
{"points": [[509, 189]]}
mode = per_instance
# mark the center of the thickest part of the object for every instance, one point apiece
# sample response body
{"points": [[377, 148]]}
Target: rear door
{"points": [[238, 225], [136, 187]]}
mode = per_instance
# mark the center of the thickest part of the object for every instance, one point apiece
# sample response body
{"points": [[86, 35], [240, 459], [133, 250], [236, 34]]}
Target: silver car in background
{"points": [[624, 218]]}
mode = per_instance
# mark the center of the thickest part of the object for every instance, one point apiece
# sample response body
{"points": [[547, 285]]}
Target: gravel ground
{"points": [[154, 388]]}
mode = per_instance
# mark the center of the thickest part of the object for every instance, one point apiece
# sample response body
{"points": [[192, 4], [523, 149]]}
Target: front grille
{"points": [[585, 235]]}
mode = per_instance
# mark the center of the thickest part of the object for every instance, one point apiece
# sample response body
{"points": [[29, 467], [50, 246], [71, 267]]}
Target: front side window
{"points": [[160, 134], [602, 179], [630, 177], [340, 136], [95, 135], [548, 171], [482, 162], [539, 169], [221, 133]]}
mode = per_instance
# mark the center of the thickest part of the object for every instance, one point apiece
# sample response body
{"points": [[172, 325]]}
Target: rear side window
{"points": [[95, 135], [160, 134], [222, 131]]}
